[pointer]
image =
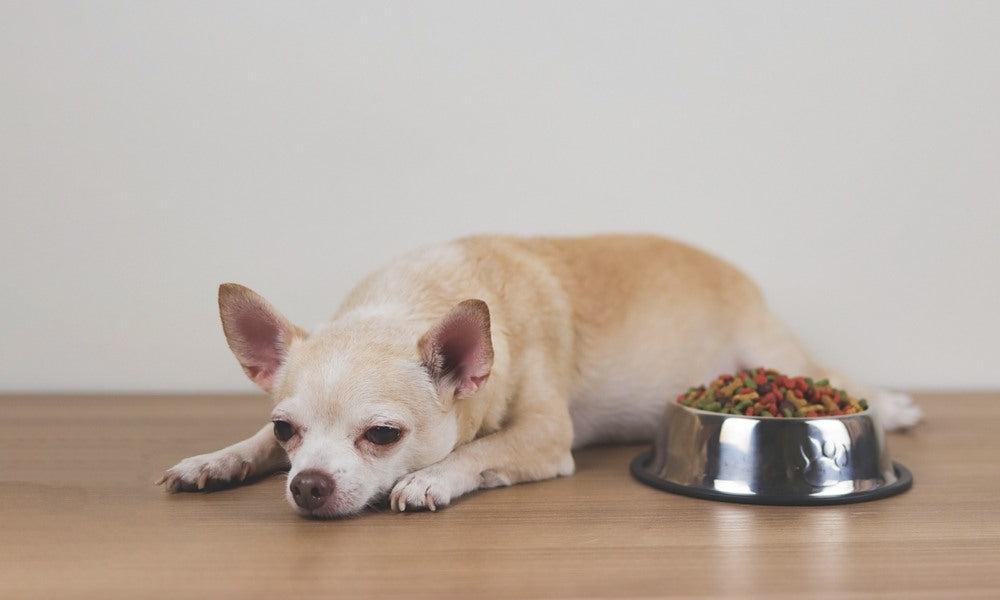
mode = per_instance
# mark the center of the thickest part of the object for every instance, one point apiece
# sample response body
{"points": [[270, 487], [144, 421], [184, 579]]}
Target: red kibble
{"points": [[784, 396]]}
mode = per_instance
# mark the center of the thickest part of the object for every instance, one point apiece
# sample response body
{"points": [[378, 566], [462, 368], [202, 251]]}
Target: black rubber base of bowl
{"points": [[904, 481]]}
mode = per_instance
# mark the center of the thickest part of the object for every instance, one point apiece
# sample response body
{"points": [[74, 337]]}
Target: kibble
{"points": [[767, 393]]}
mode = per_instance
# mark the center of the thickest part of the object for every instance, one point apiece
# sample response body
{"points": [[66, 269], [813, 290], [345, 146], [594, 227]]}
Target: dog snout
{"points": [[311, 488]]}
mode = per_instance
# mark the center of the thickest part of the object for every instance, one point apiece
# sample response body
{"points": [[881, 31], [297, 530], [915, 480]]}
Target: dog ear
{"points": [[257, 334], [458, 352]]}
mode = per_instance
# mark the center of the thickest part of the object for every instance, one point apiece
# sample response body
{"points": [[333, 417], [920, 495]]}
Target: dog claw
{"points": [[160, 480], [202, 480], [245, 471], [430, 501]]}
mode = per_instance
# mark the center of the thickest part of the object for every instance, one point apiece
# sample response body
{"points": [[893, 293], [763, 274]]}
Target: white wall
{"points": [[846, 154]]}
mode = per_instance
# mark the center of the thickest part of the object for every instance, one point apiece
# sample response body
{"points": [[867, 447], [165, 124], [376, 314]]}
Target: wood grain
{"points": [[80, 518]]}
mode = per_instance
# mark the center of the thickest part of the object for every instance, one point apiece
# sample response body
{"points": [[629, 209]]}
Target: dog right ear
{"points": [[257, 333]]}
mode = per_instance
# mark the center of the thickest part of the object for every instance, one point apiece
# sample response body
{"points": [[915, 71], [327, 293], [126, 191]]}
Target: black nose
{"points": [[311, 488]]}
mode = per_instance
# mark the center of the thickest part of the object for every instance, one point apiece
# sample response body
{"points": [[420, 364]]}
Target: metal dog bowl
{"points": [[759, 460]]}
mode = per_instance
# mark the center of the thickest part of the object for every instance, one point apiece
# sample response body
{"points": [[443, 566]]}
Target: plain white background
{"points": [[846, 155]]}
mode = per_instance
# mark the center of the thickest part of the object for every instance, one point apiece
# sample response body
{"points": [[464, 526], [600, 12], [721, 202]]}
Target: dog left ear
{"points": [[458, 352]]}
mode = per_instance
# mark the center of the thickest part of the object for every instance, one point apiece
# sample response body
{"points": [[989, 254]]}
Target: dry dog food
{"points": [[768, 393]]}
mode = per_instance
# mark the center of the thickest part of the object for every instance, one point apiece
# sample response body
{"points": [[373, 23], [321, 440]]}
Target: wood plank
{"points": [[79, 517]]}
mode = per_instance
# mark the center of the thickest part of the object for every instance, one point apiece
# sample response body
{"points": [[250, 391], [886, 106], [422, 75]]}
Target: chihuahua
{"points": [[484, 362]]}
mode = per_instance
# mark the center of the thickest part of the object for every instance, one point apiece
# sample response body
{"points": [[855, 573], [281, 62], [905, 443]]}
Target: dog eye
{"points": [[382, 435], [283, 430]]}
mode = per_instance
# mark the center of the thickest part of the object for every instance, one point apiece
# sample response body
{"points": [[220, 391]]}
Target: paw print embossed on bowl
{"points": [[758, 460], [823, 462]]}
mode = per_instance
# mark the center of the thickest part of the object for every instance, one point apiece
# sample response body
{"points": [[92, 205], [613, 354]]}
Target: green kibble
{"points": [[739, 394]]}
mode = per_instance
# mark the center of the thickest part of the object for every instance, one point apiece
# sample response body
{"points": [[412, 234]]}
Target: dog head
{"points": [[365, 399]]}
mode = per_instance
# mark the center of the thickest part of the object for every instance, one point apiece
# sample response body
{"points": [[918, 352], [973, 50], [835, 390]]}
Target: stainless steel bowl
{"points": [[760, 460]]}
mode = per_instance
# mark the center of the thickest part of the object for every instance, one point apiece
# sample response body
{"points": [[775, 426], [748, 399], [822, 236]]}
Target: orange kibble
{"points": [[732, 393]]}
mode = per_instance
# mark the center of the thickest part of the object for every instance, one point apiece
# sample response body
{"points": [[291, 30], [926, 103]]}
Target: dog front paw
{"points": [[207, 471], [431, 488]]}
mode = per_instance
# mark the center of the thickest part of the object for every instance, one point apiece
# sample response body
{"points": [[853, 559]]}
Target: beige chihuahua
{"points": [[484, 362]]}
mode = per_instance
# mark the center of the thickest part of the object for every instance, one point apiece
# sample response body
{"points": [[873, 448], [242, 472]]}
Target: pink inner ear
{"points": [[258, 344], [458, 350], [257, 334], [261, 335], [473, 385], [461, 346]]}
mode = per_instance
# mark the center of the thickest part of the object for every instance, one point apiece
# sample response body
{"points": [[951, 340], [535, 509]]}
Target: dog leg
{"points": [[771, 345], [535, 445], [256, 456]]}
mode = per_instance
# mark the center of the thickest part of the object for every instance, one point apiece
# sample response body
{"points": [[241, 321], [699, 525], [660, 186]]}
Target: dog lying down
{"points": [[484, 362]]}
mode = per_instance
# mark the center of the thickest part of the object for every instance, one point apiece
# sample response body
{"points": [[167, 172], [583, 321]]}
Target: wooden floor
{"points": [[79, 517]]}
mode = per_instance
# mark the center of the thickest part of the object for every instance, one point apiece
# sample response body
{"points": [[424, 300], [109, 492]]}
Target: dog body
{"points": [[483, 362]]}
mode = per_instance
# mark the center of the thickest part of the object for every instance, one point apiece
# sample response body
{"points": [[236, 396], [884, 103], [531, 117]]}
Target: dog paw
{"points": [[206, 471], [429, 488], [897, 411]]}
